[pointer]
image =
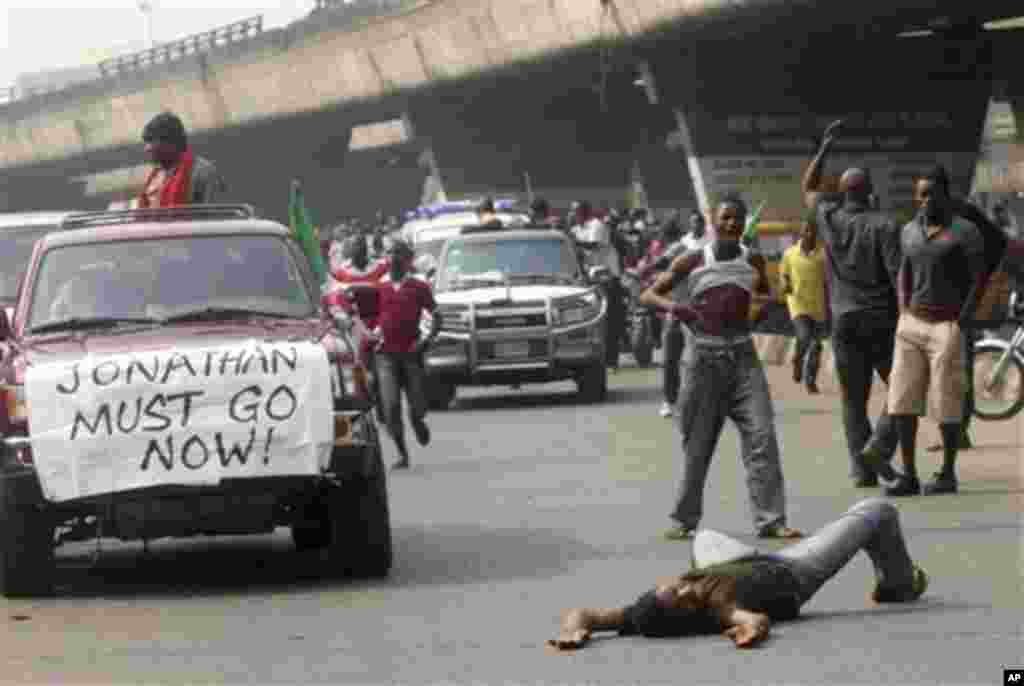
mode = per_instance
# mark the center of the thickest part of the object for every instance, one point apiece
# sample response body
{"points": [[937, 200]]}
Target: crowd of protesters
{"points": [[897, 302]]}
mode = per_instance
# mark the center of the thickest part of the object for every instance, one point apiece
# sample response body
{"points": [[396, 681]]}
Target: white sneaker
{"points": [[666, 410]]}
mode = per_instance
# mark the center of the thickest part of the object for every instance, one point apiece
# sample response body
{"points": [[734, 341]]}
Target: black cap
{"points": [[400, 249], [166, 127]]}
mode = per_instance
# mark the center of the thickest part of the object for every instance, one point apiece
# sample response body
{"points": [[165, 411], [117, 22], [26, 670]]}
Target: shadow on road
{"points": [[926, 605], [446, 554], [468, 553], [197, 567], [519, 400]]}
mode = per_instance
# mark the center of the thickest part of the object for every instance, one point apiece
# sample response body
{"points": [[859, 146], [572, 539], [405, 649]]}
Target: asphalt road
{"points": [[525, 504]]}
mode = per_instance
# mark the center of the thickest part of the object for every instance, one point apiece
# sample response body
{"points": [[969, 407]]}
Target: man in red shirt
{"points": [[402, 300]]}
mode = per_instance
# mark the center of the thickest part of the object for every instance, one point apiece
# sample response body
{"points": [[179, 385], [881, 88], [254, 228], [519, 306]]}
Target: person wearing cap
{"points": [[739, 591], [179, 177], [541, 215], [401, 301], [487, 214]]}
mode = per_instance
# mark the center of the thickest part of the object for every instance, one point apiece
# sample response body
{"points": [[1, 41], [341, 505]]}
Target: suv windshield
{"points": [[520, 259], [15, 252], [431, 247], [164, 277]]}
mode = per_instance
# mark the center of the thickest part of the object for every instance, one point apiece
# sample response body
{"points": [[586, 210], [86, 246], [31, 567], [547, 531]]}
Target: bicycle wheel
{"points": [[997, 396]]}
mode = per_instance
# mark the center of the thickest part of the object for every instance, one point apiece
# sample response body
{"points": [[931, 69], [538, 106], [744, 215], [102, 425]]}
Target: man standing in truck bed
{"points": [[179, 177]]}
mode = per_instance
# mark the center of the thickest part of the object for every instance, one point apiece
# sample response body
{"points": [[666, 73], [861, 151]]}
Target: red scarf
{"points": [[177, 190]]}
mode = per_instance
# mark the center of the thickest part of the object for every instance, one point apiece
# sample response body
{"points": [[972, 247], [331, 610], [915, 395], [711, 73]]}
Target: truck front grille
{"points": [[512, 350], [506, 321]]}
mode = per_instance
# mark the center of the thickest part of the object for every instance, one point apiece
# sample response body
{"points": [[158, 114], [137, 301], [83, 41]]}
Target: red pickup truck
{"points": [[170, 373]]}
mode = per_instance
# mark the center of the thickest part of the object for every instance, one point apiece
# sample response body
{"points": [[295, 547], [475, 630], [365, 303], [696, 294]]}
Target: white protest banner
{"points": [[190, 415]]}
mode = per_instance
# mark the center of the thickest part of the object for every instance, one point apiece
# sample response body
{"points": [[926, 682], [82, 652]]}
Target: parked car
{"points": [[516, 308], [169, 373], [19, 231]]}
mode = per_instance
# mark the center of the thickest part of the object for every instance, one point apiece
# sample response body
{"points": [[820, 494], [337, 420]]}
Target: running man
{"points": [[403, 299], [721, 373], [738, 591], [803, 284]]}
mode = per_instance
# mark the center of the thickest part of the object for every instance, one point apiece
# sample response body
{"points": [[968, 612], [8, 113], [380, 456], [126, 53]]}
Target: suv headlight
{"points": [[577, 310]]}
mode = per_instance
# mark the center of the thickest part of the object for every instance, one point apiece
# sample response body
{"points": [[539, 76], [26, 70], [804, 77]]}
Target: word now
{"points": [[194, 452]]}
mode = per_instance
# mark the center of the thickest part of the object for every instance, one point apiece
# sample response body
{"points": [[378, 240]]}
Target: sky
{"points": [[51, 34]]}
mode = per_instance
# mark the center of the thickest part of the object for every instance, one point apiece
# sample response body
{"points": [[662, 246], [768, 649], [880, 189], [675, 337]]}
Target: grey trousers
{"points": [[872, 525], [674, 339], [397, 371], [808, 347], [720, 382]]}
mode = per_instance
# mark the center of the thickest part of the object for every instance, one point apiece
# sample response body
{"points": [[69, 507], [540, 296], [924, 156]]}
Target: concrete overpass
{"points": [[697, 96]]}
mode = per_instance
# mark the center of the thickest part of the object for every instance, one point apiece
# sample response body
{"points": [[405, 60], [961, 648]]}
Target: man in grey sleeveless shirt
{"points": [[721, 372]]}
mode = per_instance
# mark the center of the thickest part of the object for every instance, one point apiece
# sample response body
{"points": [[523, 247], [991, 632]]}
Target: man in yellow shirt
{"points": [[803, 283]]}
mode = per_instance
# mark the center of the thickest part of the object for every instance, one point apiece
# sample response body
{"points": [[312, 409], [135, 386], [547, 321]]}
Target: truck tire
{"points": [[27, 562], [313, 530], [360, 527], [592, 383]]}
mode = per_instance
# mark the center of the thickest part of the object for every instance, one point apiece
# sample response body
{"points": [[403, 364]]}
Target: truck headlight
{"points": [[577, 310], [14, 402]]}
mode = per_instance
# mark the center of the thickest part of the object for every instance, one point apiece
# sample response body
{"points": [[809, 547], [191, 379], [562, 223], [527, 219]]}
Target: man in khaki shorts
{"points": [[941, 277]]}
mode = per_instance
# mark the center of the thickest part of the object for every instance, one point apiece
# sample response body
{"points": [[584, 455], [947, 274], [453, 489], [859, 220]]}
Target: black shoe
{"points": [[400, 464], [865, 481], [904, 485], [878, 465], [422, 432], [941, 484]]}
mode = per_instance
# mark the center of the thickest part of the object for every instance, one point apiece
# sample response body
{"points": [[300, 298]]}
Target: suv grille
{"points": [[452, 318], [490, 350], [503, 321]]}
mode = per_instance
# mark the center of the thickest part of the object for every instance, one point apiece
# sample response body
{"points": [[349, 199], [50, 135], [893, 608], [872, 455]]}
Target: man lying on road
{"points": [[739, 591]]}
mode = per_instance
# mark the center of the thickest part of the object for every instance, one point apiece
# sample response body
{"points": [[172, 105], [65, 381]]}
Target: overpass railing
{"points": [[185, 47]]}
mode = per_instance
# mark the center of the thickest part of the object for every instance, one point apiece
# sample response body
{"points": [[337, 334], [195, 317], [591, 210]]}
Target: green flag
{"points": [[302, 228], [750, 230]]}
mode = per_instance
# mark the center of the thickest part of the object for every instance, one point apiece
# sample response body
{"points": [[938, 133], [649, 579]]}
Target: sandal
{"points": [[680, 533], [905, 595], [780, 531]]}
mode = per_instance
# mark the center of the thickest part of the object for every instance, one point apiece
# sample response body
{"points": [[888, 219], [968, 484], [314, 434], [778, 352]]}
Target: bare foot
{"points": [[570, 640]]}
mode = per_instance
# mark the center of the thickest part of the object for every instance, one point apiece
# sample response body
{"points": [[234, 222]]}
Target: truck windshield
{"points": [[161, 277], [14, 256], [550, 258]]}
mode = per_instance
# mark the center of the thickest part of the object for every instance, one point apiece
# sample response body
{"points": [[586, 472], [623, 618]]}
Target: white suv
{"points": [[516, 308]]}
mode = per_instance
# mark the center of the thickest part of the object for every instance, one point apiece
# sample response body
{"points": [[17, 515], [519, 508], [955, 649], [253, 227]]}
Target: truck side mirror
{"points": [[6, 331]]}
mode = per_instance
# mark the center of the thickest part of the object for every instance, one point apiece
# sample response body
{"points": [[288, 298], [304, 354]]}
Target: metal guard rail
{"points": [[185, 47], [183, 213]]}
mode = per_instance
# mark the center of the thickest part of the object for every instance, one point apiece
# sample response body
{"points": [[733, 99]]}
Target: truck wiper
{"points": [[214, 313], [79, 323]]}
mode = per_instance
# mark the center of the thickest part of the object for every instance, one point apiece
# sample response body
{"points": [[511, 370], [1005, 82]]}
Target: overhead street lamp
{"points": [[146, 8]]}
